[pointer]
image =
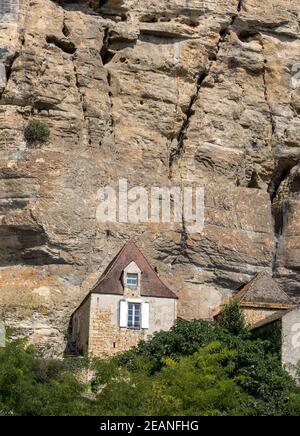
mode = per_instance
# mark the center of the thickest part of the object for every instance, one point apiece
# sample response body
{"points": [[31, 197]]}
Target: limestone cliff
{"points": [[161, 93]]}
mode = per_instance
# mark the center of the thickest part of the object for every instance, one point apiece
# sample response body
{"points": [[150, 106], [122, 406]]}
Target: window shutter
{"points": [[145, 315], [123, 313]]}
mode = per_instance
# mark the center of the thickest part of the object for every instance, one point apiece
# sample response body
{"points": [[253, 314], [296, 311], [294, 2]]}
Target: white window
{"points": [[134, 315], [132, 280]]}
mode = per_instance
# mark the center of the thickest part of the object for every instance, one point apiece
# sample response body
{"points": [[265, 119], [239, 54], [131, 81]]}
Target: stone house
{"points": [[290, 333], [127, 304], [264, 303], [291, 341], [261, 298]]}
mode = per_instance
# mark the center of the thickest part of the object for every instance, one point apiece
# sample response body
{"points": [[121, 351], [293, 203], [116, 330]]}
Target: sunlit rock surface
{"points": [[161, 93]]}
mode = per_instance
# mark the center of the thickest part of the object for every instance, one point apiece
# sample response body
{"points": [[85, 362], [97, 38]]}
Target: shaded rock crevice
{"points": [[63, 44], [281, 174], [111, 101], [79, 89], [8, 69], [266, 92], [177, 152], [115, 41], [279, 194], [105, 53], [184, 241]]}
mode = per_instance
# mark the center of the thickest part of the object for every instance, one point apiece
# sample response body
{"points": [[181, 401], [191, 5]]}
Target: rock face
{"points": [[161, 93]]}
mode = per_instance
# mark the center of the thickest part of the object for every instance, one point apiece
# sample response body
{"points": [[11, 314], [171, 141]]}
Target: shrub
{"points": [[201, 384], [256, 361], [184, 339], [232, 319], [37, 132]]}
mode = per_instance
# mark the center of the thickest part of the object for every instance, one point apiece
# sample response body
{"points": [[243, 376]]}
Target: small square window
{"points": [[134, 315], [132, 280]]}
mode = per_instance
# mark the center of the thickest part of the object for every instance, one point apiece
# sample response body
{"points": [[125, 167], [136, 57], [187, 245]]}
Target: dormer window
{"points": [[132, 280]]}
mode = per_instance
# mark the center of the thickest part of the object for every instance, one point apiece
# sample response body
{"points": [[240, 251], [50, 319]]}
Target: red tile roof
{"points": [[111, 280]]}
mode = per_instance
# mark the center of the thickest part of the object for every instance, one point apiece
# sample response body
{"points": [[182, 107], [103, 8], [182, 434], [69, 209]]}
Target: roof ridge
{"points": [[130, 252], [153, 270], [254, 279], [110, 266], [282, 290], [242, 294]]}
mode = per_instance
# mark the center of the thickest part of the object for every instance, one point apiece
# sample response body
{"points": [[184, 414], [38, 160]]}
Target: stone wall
{"points": [[291, 341], [253, 315], [107, 338], [81, 327]]}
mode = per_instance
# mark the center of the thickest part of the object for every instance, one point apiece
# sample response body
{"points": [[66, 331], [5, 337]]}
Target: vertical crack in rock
{"points": [[82, 103], [183, 245], [111, 117], [240, 5], [278, 190], [184, 239], [79, 90], [266, 92], [65, 29], [105, 53], [106, 56], [278, 212], [177, 152]]}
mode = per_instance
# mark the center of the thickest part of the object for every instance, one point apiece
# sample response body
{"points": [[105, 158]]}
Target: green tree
{"points": [[256, 360], [201, 384], [232, 319], [184, 339], [32, 386], [204, 384]]}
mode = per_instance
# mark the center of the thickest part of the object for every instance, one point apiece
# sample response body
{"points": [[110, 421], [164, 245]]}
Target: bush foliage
{"points": [[198, 368], [37, 132]]}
